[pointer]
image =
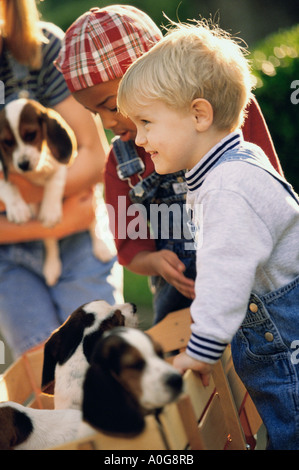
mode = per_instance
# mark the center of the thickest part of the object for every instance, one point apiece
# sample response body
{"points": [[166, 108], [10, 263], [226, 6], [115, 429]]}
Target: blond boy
{"points": [[187, 98]]}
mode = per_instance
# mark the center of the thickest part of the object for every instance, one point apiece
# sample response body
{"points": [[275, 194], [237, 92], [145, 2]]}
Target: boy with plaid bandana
{"points": [[96, 51]]}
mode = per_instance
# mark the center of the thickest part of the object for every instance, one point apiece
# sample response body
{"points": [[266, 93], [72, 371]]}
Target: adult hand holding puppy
{"points": [[78, 214]]}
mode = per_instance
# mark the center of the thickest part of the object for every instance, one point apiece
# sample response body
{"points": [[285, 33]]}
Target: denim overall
{"points": [[264, 348], [162, 191]]}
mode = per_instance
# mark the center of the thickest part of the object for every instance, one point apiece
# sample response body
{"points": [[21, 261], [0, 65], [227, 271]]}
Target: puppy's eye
{"points": [[138, 365], [135, 365], [30, 136], [9, 142]]}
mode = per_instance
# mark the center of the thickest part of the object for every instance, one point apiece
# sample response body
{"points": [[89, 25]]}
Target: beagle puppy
{"points": [[127, 379], [37, 143], [68, 350]]}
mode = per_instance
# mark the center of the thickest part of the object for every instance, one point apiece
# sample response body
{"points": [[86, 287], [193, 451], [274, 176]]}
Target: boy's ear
{"points": [[203, 115]]}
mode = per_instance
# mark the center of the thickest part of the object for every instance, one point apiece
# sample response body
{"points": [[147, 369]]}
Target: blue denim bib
{"points": [[253, 155]]}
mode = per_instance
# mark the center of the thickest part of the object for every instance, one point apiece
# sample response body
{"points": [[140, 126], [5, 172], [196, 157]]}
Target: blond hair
{"points": [[192, 61], [21, 31]]}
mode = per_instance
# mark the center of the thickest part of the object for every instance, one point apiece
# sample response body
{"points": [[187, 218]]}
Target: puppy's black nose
{"points": [[24, 166], [175, 382]]}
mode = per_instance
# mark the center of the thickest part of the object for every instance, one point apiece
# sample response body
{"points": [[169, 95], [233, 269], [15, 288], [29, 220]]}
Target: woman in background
{"points": [[29, 309]]}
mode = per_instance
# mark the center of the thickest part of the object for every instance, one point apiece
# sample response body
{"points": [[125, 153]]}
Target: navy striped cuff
{"points": [[203, 349]]}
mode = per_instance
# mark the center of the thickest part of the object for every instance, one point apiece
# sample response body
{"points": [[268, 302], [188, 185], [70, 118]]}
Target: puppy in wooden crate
{"points": [[37, 143]]}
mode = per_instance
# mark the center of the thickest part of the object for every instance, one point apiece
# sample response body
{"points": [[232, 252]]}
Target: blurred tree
{"points": [[251, 19], [276, 67]]}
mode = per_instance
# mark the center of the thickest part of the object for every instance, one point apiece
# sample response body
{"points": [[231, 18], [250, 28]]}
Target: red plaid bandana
{"points": [[101, 44]]}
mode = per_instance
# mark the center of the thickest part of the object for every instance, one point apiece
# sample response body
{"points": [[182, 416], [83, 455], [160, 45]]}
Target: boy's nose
{"points": [[140, 139]]}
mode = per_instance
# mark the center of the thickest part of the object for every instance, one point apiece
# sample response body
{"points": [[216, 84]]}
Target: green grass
{"points": [[136, 289]]}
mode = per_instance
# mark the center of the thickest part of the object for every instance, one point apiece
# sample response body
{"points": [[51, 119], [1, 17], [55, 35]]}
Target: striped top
{"points": [[197, 175], [46, 84]]}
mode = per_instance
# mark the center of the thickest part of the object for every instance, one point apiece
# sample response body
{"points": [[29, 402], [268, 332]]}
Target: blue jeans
{"points": [[265, 358], [29, 309]]}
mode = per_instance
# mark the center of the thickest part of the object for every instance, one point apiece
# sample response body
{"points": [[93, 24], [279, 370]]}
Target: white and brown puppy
{"points": [[37, 143], [127, 379], [68, 350]]}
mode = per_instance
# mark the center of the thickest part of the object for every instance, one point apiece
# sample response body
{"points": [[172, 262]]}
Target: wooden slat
{"points": [[244, 404], [34, 362], [173, 428], [15, 384], [229, 407], [213, 428], [199, 394], [43, 401], [173, 332], [150, 439], [22, 380]]}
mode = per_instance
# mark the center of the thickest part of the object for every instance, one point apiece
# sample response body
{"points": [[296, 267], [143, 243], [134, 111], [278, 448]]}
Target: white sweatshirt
{"points": [[249, 242]]}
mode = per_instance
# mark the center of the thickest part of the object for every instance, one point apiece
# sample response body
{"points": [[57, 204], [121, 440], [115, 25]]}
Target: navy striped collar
{"points": [[197, 175]]}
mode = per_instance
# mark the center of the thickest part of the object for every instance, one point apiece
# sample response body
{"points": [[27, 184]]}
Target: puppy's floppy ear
{"points": [[63, 342], [3, 156], [106, 404], [60, 137], [4, 164], [111, 321]]}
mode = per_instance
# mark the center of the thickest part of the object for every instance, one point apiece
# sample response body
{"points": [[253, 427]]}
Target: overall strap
{"points": [[252, 154], [128, 161]]}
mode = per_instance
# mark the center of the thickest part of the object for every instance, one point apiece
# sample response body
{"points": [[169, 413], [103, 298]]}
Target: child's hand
{"points": [[166, 264], [183, 362], [171, 268]]}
